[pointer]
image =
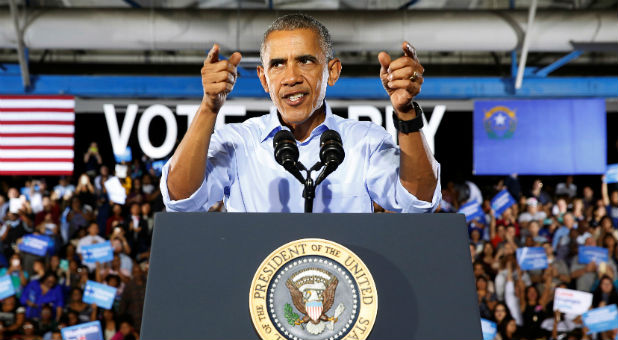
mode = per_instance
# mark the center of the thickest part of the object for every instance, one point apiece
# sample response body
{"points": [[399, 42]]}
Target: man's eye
{"points": [[306, 61]]}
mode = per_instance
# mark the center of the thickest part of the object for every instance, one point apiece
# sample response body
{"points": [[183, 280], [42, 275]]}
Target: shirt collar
{"points": [[273, 125]]}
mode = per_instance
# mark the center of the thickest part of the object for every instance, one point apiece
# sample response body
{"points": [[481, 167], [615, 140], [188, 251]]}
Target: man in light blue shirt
{"points": [[239, 166], [561, 239]]}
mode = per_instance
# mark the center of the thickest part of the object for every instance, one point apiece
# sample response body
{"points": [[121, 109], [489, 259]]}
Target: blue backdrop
{"points": [[540, 137]]}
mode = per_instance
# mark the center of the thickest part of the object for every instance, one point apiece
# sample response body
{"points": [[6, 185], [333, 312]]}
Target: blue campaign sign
{"points": [[6, 287], [587, 254], [489, 329], [502, 201], [472, 210], [99, 294], [126, 156], [36, 244], [540, 137], [85, 331], [601, 319], [99, 252], [531, 258], [611, 175]]}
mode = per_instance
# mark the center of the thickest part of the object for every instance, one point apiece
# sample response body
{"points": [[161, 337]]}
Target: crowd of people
{"points": [[561, 220], [75, 213]]}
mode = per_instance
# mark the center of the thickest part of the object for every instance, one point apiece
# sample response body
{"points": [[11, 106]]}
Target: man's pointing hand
{"points": [[218, 77]]}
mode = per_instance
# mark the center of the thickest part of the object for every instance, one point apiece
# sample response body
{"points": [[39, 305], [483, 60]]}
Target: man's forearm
{"points": [[188, 164], [415, 167]]}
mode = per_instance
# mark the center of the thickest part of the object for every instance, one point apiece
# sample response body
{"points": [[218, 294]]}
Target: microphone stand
{"points": [[309, 191]]}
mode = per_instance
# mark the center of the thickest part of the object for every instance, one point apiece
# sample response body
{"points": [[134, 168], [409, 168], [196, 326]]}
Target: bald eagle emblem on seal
{"points": [[313, 293]]}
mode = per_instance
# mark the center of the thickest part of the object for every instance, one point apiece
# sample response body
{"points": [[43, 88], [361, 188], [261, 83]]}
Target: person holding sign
{"points": [[40, 292], [236, 161]]}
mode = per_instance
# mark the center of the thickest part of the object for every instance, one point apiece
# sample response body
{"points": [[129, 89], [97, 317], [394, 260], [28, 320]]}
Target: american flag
{"points": [[37, 135]]}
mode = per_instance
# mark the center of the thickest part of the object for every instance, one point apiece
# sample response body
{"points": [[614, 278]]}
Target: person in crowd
{"points": [[12, 316], [537, 192], [46, 323], [29, 331], [90, 239], [610, 201], [561, 238], [605, 293], [92, 158], [532, 212], [85, 312], [99, 181], [126, 331], [137, 232], [566, 188], [133, 296], [585, 275], [40, 292], [78, 216], [487, 300], [19, 277], [109, 324]]}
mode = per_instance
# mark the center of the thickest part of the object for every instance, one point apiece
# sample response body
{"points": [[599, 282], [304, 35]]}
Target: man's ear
{"points": [[262, 76], [334, 71]]}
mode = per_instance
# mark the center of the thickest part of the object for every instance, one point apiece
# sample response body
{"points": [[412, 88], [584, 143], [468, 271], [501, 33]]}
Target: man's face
{"points": [[295, 73]]}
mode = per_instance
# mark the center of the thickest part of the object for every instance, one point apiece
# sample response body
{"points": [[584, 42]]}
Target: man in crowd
{"points": [[236, 162]]}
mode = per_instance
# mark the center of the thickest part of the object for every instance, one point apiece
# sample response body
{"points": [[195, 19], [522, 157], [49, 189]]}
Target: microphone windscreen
{"points": [[329, 135], [283, 135]]}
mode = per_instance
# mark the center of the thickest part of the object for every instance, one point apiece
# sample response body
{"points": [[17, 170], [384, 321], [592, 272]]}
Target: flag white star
{"points": [[500, 119]]}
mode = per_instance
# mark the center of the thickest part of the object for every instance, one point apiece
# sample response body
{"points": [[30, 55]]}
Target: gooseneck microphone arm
{"points": [[331, 155]]}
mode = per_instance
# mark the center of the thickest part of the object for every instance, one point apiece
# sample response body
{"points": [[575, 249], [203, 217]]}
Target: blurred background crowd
{"points": [[560, 218], [75, 212]]}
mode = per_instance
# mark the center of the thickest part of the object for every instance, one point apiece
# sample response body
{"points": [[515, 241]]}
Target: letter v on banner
{"points": [[119, 136], [429, 128]]}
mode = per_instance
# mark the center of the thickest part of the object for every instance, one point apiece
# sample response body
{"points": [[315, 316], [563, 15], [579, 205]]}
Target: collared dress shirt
{"points": [[241, 169]]}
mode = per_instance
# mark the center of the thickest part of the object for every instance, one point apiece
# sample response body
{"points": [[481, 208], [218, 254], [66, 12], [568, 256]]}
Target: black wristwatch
{"points": [[412, 125]]}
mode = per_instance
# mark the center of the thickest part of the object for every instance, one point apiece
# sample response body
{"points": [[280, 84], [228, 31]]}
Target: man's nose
{"points": [[292, 76]]}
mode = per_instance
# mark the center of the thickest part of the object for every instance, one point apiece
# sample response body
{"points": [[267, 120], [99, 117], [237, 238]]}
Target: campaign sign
{"points": [[126, 156], [36, 244], [489, 329], [85, 331], [531, 258], [611, 175], [99, 294], [6, 287], [588, 254], [601, 319], [572, 301], [502, 201], [472, 210], [99, 252]]}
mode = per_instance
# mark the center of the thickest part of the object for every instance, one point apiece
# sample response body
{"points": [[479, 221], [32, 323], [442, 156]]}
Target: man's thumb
{"points": [[213, 54], [384, 59], [235, 58]]}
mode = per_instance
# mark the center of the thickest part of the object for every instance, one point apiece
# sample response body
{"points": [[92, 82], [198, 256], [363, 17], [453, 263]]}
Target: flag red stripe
{"points": [[36, 159], [36, 109], [37, 97], [36, 172], [36, 134], [42, 147], [37, 122]]}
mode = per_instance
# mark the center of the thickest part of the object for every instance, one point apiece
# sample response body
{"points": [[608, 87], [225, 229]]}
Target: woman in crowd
{"points": [[85, 312], [40, 292], [605, 293]]}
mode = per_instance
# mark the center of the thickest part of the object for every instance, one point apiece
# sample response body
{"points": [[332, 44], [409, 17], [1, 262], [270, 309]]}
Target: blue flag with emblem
{"points": [[587, 254], [502, 201], [6, 287], [601, 319], [531, 258], [85, 331], [489, 328], [472, 210], [36, 244], [540, 137], [99, 252], [99, 294]]}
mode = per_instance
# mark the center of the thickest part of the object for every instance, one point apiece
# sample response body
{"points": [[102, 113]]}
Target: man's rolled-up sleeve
{"points": [[385, 187], [218, 176]]}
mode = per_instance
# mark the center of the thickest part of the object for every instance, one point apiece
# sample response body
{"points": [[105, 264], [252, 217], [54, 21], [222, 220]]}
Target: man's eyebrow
{"points": [[275, 61], [307, 57]]}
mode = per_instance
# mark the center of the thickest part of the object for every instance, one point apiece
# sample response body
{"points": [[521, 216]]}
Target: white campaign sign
{"points": [[572, 301]]}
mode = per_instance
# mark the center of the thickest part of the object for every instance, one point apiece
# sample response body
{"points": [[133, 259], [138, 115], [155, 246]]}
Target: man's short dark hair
{"points": [[298, 21]]}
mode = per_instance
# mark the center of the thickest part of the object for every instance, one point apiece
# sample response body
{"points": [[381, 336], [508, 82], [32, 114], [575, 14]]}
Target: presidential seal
{"points": [[313, 289]]}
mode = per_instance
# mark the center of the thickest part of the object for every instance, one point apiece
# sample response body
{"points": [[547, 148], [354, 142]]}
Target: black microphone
{"points": [[331, 153], [286, 152]]}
